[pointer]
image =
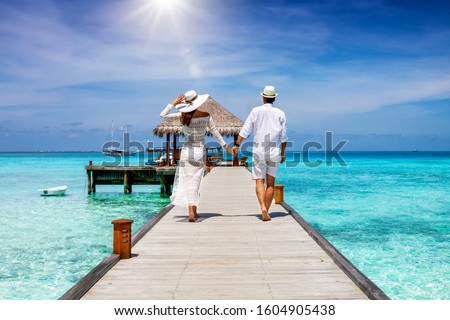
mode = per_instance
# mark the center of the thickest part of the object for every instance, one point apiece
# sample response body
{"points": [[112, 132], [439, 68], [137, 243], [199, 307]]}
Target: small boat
{"points": [[55, 191], [112, 150], [115, 152]]}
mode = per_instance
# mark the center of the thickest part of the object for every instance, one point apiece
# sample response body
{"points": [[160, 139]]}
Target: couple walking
{"points": [[268, 125]]}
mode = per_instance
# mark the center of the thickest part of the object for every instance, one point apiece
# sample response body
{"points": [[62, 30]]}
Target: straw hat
{"points": [[269, 92], [193, 101]]}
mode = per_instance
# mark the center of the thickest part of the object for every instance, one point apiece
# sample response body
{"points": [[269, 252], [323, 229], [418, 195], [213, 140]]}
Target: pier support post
{"points": [[168, 150], [279, 193], [89, 182], [122, 238], [127, 188], [162, 182], [89, 178], [166, 183]]}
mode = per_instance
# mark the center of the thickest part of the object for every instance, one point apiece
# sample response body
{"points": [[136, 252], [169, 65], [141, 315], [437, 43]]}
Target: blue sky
{"points": [[376, 73]]}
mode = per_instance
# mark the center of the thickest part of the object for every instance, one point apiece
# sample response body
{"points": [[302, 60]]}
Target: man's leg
{"points": [[261, 194], [270, 187], [192, 213]]}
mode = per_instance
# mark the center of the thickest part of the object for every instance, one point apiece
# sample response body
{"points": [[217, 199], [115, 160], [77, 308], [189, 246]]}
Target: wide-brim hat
{"points": [[193, 105], [269, 92]]}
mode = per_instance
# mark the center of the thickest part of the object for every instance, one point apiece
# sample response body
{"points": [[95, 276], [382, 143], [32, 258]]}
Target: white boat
{"points": [[55, 191], [112, 150]]}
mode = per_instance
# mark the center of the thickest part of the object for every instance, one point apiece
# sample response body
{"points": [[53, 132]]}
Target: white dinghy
{"points": [[56, 191]]}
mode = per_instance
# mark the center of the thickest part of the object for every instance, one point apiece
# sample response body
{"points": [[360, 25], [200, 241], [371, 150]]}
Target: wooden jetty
{"points": [[229, 253], [129, 176], [160, 172]]}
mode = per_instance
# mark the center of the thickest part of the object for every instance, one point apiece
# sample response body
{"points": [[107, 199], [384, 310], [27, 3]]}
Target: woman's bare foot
{"points": [[265, 215], [192, 214]]}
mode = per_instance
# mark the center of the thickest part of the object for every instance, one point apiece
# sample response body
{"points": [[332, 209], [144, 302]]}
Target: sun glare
{"points": [[174, 24], [161, 14], [167, 4]]}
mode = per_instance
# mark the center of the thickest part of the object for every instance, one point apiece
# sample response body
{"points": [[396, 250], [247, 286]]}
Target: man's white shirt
{"points": [[268, 124]]}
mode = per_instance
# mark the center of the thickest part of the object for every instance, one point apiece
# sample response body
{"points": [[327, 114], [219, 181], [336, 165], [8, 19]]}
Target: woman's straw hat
{"points": [[193, 101]]}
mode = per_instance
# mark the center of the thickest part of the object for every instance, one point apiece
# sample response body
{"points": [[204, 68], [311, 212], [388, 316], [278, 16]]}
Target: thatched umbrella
{"points": [[227, 123]]}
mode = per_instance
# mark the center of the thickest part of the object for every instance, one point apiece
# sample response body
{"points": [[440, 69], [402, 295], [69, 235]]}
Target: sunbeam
{"points": [[162, 16]]}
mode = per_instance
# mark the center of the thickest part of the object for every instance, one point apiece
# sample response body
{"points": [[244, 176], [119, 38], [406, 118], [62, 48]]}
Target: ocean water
{"points": [[49, 243], [388, 213]]}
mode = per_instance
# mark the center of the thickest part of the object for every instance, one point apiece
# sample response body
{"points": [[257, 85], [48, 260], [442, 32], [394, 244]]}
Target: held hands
{"points": [[234, 151], [230, 151]]}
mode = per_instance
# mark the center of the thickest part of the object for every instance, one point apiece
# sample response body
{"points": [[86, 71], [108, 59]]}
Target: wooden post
{"points": [[168, 150], [235, 159], [174, 151], [279, 193], [174, 142], [122, 238], [89, 182], [162, 182], [125, 182], [169, 180], [89, 178]]}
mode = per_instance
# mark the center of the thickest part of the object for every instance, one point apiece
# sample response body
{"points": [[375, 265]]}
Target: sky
{"points": [[375, 73]]}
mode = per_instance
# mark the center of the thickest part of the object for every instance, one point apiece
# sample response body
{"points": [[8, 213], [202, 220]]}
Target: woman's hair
{"points": [[186, 118]]}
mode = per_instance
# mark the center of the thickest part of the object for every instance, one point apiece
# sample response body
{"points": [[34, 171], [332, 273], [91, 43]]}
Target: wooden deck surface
{"points": [[229, 253]]}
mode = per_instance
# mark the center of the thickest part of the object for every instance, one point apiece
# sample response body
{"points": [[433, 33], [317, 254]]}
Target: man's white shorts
{"points": [[263, 166]]}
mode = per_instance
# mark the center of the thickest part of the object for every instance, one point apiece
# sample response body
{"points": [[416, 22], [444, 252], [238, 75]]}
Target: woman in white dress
{"points": [[191, 167]]}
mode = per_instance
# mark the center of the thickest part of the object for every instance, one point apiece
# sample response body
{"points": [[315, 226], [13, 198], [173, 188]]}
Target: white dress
{"points": [[192, 164]]}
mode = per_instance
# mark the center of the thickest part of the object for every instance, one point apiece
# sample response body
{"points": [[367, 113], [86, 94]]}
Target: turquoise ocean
{"points": [[387, 212]]}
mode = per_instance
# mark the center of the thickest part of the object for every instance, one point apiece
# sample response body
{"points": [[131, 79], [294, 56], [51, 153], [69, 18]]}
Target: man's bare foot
{"points": [[265, 215]]}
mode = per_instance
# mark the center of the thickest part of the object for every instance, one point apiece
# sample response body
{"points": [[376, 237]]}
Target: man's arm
{"points": [[245, 132], [283, 139]]}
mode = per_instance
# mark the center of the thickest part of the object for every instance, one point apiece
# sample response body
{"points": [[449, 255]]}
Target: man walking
{"points": [[269, 146]]}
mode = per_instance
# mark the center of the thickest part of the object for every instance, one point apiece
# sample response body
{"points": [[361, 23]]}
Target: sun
{"points": [[161, 14], [167, 4]]}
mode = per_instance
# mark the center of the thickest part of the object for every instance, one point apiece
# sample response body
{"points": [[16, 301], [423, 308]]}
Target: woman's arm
{"points": [[216, 134], [165, 112]]}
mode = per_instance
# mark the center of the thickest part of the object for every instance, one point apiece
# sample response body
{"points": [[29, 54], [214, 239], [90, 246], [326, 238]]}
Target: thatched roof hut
{"points": [[227, 123]]}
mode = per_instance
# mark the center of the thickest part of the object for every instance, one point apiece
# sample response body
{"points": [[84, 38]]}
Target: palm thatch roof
{"points": [[227, 123]]}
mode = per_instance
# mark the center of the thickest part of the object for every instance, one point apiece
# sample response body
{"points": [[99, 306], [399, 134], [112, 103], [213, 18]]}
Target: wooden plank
{"points": [[360, 279], [229, 253]]}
